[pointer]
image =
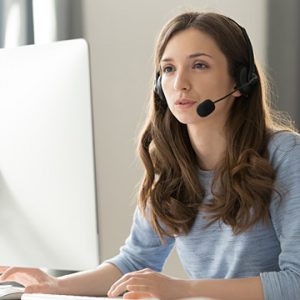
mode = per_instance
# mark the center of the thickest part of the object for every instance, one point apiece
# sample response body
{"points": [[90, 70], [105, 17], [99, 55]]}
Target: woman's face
{"points": [[194, 69]]}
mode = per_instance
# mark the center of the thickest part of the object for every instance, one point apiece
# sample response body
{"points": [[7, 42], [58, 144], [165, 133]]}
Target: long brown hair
{"points": [[171, 194]]}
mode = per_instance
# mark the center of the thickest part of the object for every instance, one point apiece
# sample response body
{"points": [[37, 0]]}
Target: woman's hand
{"points": [[34, 280], [149, 284], [3, 269]]}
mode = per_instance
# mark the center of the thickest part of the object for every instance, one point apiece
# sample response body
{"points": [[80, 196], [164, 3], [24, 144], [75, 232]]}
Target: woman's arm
{"points": [[153, 284], [87, 283], [228, 289], [91, 283]]}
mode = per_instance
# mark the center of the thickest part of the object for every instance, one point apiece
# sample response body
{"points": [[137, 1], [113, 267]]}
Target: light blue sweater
{"points": [[271, 252]]}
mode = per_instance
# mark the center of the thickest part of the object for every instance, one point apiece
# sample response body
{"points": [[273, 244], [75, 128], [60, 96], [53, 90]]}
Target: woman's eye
{"points": [[200, 66], [168, 69]]}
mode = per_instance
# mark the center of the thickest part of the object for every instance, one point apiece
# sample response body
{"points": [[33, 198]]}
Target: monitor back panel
{"points": [[48, 211]]}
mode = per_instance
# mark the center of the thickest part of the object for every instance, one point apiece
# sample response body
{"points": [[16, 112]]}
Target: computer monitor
{"points": [[48, 208]]}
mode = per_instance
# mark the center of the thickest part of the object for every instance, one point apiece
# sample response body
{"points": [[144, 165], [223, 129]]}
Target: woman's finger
{"points": [[147, 270], [118, 289], [24, 276], [117, 283], [32, 289], [13, 270], [138, 288], [140, 273], [38, 288], [122, 287], [136, 295], [3, 269]]}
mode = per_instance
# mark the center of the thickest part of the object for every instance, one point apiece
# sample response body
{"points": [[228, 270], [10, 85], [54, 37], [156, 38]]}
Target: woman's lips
{"points": [[184, 103]]}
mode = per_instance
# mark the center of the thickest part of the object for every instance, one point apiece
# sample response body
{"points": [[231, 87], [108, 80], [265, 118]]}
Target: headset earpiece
{"points": [[245, 80], [246, 77], [242, 81], [158, 88]]}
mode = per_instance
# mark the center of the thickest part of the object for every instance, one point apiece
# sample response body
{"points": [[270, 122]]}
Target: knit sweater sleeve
{"points": [[285, 217], [143, 248]]}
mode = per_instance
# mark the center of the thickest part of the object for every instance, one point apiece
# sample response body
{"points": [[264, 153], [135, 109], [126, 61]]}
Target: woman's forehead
{"points": [[190, 43]]}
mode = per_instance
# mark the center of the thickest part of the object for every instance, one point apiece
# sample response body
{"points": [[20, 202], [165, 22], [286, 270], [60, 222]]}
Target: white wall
{"points": [[121, 35]]}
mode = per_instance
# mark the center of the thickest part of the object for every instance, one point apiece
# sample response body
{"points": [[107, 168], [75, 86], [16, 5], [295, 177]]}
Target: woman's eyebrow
{"points": [[199, 54], [193, 55]]}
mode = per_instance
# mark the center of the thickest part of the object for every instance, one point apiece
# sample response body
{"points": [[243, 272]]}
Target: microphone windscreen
{"points": [[205, 108]]}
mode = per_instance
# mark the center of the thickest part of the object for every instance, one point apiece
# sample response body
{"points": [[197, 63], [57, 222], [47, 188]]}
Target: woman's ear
{"points": [[237, 94]]}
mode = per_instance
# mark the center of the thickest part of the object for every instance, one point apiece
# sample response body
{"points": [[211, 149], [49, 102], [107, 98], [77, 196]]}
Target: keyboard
{"points": [[65, 297], [10, 292]]}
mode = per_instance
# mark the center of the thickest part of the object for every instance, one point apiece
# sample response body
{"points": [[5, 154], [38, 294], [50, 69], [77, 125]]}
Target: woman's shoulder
{"points": [[285, 140], [283, 143]]}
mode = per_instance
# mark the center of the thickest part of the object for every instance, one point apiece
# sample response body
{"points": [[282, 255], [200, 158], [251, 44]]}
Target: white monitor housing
{"points": [[48, 208]]}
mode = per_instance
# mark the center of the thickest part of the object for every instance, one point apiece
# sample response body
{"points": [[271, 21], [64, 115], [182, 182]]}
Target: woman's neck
{"points": [[209, 145]]}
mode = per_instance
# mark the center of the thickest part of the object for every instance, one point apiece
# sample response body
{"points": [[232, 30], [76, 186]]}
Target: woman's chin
{"points": [[188, 119]]}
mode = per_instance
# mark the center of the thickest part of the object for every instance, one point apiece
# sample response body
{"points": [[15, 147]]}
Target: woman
{"points": [[221, 180]]}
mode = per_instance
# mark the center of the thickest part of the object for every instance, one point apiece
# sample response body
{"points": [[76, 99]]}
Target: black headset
{"points": [[246, 77]]}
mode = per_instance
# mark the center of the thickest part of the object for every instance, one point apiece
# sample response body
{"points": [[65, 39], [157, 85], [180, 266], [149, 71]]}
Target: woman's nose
{"points": [[181, 81]]}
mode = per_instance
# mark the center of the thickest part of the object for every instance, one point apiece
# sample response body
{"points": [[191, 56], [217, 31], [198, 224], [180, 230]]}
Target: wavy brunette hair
{"points": [[171, 194]]}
